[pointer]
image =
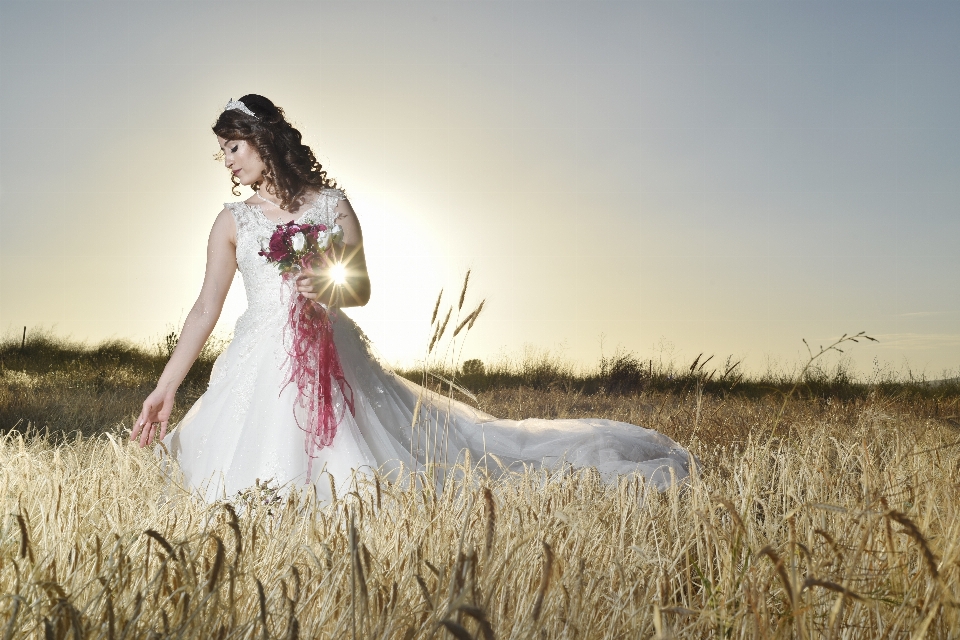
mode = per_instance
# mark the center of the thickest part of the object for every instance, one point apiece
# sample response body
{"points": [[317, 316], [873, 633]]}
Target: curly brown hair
{"points": [[291, 166]]}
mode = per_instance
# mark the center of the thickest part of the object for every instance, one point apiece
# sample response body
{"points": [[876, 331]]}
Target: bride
{"points": [[250, 423]]}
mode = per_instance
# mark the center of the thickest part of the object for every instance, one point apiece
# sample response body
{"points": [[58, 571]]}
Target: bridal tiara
{"points": [[239, 106]]}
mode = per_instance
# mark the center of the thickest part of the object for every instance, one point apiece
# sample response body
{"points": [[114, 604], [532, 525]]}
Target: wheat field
{"points": [[823, 509], [847, 525]]}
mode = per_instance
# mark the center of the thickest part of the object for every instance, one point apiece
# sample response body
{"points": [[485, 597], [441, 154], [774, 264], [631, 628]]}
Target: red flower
{"points": [[279, 247]]}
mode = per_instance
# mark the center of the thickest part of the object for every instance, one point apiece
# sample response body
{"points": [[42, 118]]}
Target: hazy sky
{"points": [[678, 177]]}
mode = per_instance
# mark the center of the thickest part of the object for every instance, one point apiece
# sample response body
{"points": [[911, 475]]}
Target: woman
{"points": [[249, 423]]}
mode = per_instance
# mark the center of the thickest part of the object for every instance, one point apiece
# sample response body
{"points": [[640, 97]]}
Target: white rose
{"points": [[337, 233], [298, 242], [323, 240]]}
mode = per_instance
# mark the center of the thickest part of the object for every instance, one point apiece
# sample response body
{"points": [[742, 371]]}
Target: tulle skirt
{"points": [[246, 428]]}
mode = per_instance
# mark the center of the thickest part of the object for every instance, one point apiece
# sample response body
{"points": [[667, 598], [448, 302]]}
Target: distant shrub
{"points": [[49, 381], [168, 344], [473, 367], [623, 373]]}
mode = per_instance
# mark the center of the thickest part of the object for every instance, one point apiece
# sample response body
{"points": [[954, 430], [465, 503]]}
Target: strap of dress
{"points": [[239, 210], [248, 216], [338, 194], [243, 215], [325, 210]]}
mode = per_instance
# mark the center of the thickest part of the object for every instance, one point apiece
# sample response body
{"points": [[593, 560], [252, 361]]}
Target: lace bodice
{"points": [[261, 279], [268, 296]]}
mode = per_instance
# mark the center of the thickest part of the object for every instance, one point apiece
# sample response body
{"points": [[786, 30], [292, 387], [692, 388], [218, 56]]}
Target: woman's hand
{"points": [[318, 282], [221, 266], [155, 416], [340, 279]]}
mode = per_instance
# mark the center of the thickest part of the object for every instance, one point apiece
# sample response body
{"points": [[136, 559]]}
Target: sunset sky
{"points": [[666, 177]]}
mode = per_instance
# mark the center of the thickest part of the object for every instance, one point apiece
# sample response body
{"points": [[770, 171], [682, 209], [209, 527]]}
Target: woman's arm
{"points": [[318, 284], [221, 267]]}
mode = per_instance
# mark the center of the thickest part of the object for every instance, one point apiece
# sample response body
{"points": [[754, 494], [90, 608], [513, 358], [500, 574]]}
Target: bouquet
{"points": [[312, 355], [294, 247]]}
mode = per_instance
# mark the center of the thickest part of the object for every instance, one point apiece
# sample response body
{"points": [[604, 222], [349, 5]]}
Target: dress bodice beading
{"points": [[268, 296], [261, 279]]}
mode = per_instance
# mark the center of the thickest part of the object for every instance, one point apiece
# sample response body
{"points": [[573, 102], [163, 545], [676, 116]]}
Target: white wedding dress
{"points": [[243, 428]]}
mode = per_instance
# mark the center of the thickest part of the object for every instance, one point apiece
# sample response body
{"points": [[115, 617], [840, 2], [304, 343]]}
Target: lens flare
{"points": [[339, 274]]}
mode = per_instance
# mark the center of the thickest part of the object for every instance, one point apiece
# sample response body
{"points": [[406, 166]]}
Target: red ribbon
{"points": [[314, 368]]}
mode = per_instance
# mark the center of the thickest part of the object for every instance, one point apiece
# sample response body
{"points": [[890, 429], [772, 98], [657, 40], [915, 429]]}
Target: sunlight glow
{"points": [[339, 274]]}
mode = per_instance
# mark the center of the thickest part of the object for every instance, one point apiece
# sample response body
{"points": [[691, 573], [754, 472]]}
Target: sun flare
{"points": [[338, 273]]}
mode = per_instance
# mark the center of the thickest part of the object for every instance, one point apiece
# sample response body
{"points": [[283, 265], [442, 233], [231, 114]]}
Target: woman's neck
{"points": [[267, 193]]}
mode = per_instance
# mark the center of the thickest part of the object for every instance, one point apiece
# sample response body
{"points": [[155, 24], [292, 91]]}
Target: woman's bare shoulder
{"points": [[225, 224], [343, 208]]}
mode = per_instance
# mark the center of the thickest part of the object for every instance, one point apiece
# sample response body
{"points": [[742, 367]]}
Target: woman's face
{"points": [[242, 159]]}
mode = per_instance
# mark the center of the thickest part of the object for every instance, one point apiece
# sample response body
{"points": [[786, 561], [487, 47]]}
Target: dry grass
{"points": [[835, 513], [64, 386], [851, 529]]}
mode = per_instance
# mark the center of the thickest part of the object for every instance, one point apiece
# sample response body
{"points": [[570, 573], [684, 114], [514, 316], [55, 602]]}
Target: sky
{"points": [[666, 178]]}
